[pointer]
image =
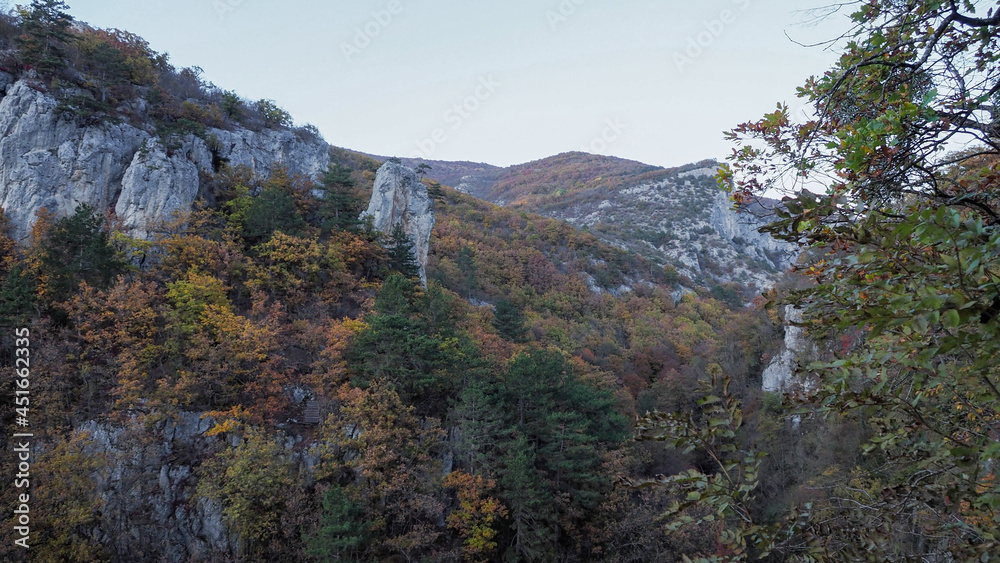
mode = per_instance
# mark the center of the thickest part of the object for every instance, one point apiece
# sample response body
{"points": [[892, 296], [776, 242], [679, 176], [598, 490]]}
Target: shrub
{"points": [[274, 117]]}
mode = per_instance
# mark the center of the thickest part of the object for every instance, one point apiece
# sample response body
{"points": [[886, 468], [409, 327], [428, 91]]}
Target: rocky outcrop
{"points": [[262, 151], [150, 507], [48, 160], [154, 187], [741, 229], [779, 375], [400, 197], [147, 490], [683, 219]]}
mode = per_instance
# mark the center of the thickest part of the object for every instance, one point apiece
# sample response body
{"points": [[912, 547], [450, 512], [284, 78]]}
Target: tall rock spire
{"points": [[400, 197]]}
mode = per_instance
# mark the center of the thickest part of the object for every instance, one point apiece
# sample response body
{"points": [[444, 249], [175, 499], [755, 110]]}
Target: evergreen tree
{"points": [[509, 321], [46, 28], [529, 504], [339, 207], [413, 343], [479, 424], [76, 249], [565, 424], [396, 296], [17, 297], [401, 256], [343, 529], [435, 191], [273, 210], [394, 348], [466, 261]]}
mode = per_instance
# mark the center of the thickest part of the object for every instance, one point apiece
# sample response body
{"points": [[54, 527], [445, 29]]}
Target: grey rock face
{"points": [[6, 80], [153, 188], [148, 495], [681, 219], [261, 152], [48, 160], [742, 229], [400, 197], [779, 375]]}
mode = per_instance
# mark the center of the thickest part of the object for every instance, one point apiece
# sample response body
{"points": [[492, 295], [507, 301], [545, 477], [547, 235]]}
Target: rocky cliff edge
{"points": [[49, 160]]}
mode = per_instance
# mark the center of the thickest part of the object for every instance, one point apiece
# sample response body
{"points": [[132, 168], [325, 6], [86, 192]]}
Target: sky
{"points": [[657, 81]]}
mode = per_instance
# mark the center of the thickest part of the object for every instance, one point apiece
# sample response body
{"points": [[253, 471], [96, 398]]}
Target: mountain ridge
{"points": [[678, 216]]}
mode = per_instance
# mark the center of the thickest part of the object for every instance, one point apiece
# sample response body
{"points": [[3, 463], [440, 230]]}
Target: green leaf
{"points": [[951, 319]]}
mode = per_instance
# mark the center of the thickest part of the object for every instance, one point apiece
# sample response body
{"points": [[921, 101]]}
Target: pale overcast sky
{"points": [[500, 82]]}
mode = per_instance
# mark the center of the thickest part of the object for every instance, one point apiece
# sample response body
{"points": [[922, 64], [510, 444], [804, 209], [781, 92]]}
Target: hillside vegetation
{"points": [[264, 379], [174, 380]]}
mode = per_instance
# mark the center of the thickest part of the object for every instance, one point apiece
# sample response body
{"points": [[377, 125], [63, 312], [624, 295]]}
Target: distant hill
{"points": [[676, 217]]}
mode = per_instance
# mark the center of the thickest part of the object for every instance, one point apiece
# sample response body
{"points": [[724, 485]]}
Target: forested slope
{"points": [[262, 379]]}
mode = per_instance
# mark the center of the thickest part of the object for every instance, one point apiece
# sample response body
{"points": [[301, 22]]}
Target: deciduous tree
{"points": [[904, 235]]}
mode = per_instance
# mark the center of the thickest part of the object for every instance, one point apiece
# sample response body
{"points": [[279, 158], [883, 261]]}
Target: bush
{"points": [[274, 117], [232, 106]]}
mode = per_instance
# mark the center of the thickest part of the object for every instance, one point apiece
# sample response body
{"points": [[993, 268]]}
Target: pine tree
{"points": [[530, 507], [396, 297], [466, 262], [435, 191], [17, 297], [273, 210], [46, 33], [343, 530], [401, 256], [479, 423], [393, 348], [566, 424], [339, 207], [509, 321], [77, 248]]}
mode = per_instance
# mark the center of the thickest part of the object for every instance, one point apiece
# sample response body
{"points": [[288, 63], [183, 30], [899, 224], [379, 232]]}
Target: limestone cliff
{"points": [[49, 160], [147, 488], [400, 197], [779, 376], [674, 216]]}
